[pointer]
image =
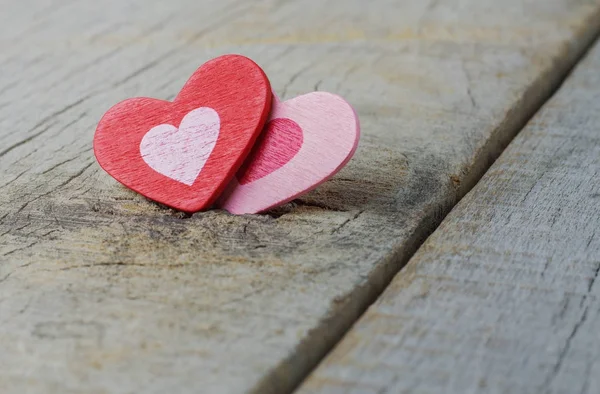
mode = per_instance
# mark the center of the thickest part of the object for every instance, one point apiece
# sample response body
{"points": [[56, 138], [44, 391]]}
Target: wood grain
{"points": [[504, 296], [103, 291]]}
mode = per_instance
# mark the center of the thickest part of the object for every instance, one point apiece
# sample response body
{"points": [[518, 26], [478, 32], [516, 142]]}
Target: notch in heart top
{"points": [[183, 153]]}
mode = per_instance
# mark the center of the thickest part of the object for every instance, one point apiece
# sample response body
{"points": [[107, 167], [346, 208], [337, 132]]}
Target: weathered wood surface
{"points": [[102, 291], [504, 296]]}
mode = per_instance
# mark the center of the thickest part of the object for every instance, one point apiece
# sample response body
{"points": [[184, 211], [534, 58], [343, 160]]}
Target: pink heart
{"points": [[330, 131], [180, 154], [275, 147]]}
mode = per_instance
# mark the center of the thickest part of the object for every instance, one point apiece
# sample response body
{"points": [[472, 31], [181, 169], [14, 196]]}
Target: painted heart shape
{"points": [[180, 154], [277, 145], [147, 145], [330, 132]]}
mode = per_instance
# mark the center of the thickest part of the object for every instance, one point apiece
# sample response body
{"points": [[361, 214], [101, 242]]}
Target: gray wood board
{"points": [[103, 291], [504, 296]]}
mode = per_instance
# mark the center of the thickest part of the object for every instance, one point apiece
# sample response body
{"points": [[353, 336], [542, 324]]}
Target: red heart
{"points": [[276, 146], [234, 88]]}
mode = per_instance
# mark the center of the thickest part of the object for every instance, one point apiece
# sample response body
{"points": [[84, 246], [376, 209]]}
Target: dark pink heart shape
{"points": [[275, 147]]}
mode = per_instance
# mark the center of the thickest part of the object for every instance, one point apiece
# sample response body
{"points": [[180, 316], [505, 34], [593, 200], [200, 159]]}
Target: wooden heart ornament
{"points": [[184, 153], [305, 142]]}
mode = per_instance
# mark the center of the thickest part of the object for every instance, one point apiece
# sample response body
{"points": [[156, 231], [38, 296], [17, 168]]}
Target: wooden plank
{"points": [[103, 291], [503, 297]]}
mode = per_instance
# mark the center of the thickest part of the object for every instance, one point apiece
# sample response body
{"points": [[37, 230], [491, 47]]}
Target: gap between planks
{"points": [[534, 100], [503, 297], [284, 362]]}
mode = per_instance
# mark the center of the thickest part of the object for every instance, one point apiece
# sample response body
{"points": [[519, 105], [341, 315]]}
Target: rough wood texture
{"points": [[504, 296], [102, 291]]}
